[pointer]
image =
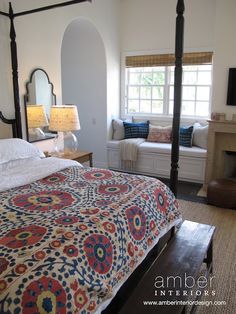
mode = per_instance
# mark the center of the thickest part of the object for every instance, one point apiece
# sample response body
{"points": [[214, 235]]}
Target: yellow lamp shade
{"points": [[36, 116], [64, 118]]}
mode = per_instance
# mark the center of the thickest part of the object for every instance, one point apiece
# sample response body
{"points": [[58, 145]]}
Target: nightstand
{"points": [[80, 156]]}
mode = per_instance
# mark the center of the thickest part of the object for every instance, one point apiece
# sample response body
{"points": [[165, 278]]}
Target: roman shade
{"points": [[192, 58]]}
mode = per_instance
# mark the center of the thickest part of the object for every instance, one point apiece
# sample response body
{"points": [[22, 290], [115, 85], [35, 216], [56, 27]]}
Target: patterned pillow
{"points": [[135, 130], [186, 136], [159, 134]]}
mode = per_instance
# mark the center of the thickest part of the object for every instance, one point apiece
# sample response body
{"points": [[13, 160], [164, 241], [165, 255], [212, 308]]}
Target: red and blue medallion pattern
{"points": [[3, 264], [22, 237], [54, 178], [113, 189], [98, 250], [67, 220], [98, 174], [43, 200], [68, 241], [44, 295], [136, 222]]}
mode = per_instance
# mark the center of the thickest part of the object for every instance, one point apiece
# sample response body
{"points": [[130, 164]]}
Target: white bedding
{"points": [[31, 171]]}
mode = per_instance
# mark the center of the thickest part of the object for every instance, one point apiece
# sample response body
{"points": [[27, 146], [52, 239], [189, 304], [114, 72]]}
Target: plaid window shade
{"points": [[192, 58]]}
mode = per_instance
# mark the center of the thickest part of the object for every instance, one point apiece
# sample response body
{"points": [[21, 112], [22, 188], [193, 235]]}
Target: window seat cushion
{"points": [[164, 148]]}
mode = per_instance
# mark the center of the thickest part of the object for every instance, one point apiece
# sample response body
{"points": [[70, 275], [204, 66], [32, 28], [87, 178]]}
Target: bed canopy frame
{"points": [[179, 40]]}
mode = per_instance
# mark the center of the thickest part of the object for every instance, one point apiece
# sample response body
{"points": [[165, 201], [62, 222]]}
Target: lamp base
{"points": [[57, 146], [36, 134], [70, 143], [65, 144]]}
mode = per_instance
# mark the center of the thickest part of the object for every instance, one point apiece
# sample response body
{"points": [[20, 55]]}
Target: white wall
{"points": [[150, 25], [84, 84], [224, 54], [39, 39]]}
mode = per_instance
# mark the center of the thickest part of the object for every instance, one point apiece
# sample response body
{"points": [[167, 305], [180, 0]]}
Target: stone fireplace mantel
{"points": [[221, 138]]}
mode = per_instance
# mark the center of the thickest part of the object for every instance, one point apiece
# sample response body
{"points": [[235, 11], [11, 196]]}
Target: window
{"points": [[149, 90]]}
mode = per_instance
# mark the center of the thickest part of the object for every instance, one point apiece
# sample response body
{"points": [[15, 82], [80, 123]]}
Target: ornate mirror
{"points": [[38, 100]]}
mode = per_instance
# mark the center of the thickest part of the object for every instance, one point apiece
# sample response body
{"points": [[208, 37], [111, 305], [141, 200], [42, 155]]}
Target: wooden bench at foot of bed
{"points": [[173, 273]]}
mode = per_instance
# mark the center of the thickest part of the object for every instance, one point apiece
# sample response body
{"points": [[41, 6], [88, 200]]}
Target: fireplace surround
{"points": [[221, 139]]}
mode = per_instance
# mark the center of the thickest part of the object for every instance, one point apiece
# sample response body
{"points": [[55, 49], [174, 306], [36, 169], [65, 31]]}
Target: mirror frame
{"points": [[26, 98]]}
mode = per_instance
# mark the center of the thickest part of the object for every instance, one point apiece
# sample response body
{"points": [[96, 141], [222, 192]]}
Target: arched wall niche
{"points": [[84, 83]]}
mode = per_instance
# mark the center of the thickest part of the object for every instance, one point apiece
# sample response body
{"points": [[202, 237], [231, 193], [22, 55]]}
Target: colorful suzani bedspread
{"points": [[69, 241]]}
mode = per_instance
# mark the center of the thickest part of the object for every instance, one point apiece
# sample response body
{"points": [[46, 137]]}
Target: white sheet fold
{"points": [[32, 171]]}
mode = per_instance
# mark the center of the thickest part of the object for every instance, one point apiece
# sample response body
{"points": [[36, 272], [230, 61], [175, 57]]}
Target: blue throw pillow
{"points": [[186, 136], [134, 130]]}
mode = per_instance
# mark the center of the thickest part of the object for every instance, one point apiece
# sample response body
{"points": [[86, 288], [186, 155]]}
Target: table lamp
{"points": [[37, 119], [65, 119]]}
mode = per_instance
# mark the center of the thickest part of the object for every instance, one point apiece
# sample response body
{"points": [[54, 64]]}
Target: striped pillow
{"points": [[186, 136], [135, 130]]}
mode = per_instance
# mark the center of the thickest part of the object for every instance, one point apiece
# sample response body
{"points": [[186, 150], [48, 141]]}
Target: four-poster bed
{"points": [[158, 193]]}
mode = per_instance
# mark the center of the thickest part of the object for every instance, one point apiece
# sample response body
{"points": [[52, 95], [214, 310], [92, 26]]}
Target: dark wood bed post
{"points": [[179, 43], [15, 73]]}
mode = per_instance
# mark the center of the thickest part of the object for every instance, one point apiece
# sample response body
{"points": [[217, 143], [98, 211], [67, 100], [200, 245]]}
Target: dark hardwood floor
{"points": [[188, 191]]}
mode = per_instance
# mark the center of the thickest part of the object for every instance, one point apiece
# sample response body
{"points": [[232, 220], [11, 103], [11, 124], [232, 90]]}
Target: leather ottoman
{"points": [[222, 193]]}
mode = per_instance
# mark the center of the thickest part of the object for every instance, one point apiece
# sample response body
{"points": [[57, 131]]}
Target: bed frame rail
{"points": [[10, 121]]}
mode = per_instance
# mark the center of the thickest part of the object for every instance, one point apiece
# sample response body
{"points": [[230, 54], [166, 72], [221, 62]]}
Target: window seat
{"points": [[155, 159]]}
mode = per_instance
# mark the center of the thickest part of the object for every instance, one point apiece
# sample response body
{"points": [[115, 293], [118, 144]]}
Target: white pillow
{"points": [[118, 129], [15, 148], [17, 163], [200, 134]]}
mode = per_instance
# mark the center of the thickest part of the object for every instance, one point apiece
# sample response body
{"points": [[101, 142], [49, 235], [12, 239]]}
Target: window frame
{"points": [[165, 116]]}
